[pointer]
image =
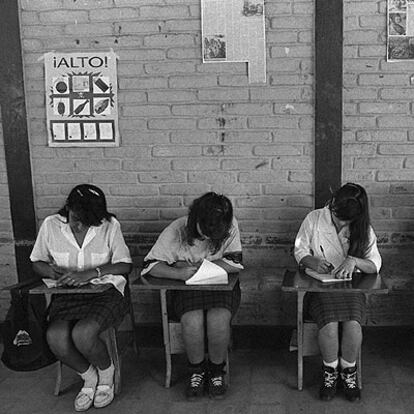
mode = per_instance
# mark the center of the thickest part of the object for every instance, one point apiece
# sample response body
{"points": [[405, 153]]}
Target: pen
{"points": [[330, 267]]}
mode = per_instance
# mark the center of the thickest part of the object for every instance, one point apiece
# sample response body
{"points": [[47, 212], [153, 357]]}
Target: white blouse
{"points": [[171, 246], [317, 237], [56, 244]]}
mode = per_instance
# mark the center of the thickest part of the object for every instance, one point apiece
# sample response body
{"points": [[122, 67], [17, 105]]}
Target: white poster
{"points": [[234, 31], [81, 99], [400, 39]]}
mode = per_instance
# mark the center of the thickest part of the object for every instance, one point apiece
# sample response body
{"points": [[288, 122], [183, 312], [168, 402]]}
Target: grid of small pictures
{"points": [[400, 19], [82, 96]]}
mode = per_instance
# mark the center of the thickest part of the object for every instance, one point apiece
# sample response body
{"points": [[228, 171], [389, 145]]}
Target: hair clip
{"points": [[79, 192], [94, 192]]}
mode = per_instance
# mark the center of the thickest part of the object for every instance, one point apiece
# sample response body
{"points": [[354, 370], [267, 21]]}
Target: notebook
{"points": [[323, 277], [209, 274]]}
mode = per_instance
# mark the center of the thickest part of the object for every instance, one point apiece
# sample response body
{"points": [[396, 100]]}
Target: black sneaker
{"points": [[350, 383], [216, 386], [329, 383], [195, 385]]}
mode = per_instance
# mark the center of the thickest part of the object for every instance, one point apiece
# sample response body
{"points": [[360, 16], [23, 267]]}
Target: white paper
{"points": [[209, 274], [50, 283], [324, 277], [234, 31], [117, 281]]}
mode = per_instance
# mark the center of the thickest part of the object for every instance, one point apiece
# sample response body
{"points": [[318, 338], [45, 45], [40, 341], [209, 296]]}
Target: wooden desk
{"points": [[43, 289], [301, 283], [154, 283]]}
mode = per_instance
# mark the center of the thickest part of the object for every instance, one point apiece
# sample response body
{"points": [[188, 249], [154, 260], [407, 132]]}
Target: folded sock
{"points": [[106, 376], [332, 364], [90, 377], [345, 364]]}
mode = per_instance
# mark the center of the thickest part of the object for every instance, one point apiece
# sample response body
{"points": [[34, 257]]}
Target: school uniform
{"points": [[172, 246], [103, 244], [318, 237]]}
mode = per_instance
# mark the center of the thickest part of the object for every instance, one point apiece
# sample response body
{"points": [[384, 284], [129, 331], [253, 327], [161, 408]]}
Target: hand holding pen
{"points": [[324, 264]]}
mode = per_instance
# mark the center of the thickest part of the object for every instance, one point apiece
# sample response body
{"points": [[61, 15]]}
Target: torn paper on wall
{"points": [[234, 31]]}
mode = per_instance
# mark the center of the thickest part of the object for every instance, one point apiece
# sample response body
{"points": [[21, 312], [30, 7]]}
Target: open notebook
{"points": [[208, 274], [323, 277]]}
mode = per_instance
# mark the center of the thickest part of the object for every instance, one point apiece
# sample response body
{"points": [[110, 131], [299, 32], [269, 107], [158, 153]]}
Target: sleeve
{"points": [[303, 241], [164, 250], [119, 249], [40, 252], [372, 252], [232, 253]]}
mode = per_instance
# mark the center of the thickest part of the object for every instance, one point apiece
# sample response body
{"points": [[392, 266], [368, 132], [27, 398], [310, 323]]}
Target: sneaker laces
{"points": [[329, 378], [350, 379], [196, 379], [217, 381]]}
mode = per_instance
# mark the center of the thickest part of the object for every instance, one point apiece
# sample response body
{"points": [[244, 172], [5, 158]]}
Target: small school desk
{"points": [[301, 283], [163, 285]]}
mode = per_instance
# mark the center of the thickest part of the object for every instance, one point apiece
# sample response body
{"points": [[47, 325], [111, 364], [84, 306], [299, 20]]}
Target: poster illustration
{"points": [[234, 31], [400, 39], [81, 99]]}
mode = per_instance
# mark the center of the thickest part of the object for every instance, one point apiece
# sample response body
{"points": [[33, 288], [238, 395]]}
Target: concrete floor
{"points": [[262, 381]]}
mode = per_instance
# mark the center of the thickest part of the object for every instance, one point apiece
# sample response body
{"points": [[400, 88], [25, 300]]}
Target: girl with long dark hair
{"points": [[208, 232], [339, 239]]}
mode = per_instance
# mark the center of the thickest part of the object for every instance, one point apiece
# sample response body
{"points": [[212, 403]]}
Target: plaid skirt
{"points": [[108, 308], [335, 307], [189, 300]]}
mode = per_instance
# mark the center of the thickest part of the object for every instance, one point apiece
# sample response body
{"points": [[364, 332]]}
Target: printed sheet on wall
{"points": [[400, 39], [234, 31], [81, 99]]}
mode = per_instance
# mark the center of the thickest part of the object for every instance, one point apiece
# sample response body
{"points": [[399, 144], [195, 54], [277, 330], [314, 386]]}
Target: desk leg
{"points": [[300, 339], [166, 335]]}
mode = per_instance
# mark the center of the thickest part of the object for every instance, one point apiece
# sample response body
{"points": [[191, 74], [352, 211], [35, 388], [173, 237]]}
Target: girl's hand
{"points": [[55, 271], [76, 279], [345, 270], [187, 272], [319, 265]]}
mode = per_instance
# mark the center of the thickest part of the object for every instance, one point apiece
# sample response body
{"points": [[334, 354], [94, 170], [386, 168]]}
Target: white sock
{"points": [[332, 364], [106, 376], [90, 377], [345, 364]]}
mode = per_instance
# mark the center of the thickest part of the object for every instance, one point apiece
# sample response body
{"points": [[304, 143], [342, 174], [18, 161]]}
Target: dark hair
{"points": [[214, 214], [350, 203], [89, 203]]}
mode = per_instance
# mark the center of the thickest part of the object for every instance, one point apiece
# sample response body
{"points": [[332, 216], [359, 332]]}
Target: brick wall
{"points": [[189, 127], [378, 122]]}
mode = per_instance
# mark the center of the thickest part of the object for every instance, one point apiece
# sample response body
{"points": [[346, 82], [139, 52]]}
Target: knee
{"points": [[218, 320], [352, 324], [58, 339], [84, 336], [352, 327], [329, 331], [193, 321]]}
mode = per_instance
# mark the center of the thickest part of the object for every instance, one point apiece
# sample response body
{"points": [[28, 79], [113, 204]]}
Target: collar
{"points": [[67, 232]]}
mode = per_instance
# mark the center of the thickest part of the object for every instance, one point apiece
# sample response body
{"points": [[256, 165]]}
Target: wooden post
{"points": [[328, 98], [16, 145]]}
